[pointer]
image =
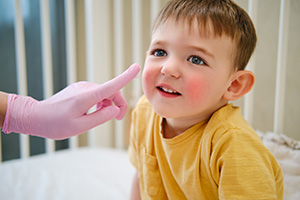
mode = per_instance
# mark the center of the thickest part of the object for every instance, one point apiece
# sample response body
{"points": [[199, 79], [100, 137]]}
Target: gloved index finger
{"points": [[111, 87]]}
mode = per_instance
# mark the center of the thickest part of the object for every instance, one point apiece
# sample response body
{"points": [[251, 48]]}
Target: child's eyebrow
{"points": [[206, 52], [157, 42]]}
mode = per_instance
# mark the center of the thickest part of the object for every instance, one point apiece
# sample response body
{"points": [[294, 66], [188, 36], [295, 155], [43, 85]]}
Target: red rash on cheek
{"points": [[196, 89]]}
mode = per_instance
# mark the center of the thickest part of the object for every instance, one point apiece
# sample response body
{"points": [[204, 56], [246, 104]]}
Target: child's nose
{"points": [[171, 68]]}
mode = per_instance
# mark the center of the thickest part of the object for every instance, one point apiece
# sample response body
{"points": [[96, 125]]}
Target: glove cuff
{"points": [[10, 102], [19, 112]]}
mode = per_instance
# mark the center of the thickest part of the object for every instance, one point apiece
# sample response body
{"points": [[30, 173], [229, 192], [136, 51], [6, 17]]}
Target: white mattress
{"points": [[79, 174], [90, 174], [287, 153]]}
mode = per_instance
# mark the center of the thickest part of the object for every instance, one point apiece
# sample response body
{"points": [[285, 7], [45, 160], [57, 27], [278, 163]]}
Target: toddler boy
{"points": [[186, 141]]}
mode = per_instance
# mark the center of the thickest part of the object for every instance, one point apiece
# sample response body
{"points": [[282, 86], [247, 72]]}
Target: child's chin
{"points": [[165, 114]]}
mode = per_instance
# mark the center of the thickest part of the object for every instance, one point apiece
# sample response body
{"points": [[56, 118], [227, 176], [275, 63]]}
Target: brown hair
{"points": [[225, 16]]}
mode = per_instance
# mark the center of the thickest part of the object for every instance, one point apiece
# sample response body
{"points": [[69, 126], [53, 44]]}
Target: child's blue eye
{"points": [[196, 60], [159, 53]]}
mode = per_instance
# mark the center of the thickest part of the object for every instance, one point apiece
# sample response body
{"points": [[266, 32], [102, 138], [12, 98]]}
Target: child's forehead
{"points": [[214, 18], [203, 27]]}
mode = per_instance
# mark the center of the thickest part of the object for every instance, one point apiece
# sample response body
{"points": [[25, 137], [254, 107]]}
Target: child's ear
{"points": [[241, 84]]}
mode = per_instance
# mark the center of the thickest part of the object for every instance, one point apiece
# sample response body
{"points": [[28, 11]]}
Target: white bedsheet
{"points": [[287, 153], [98, 173], [70, 174]]}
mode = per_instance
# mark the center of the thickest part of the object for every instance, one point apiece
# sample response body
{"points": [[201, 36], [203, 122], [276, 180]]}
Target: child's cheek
{"points": [[148, 80], [196, 90]]}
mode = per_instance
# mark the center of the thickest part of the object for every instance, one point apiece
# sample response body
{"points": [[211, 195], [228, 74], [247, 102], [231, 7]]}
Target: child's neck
{"points": [[171, 130], [174, 127]]}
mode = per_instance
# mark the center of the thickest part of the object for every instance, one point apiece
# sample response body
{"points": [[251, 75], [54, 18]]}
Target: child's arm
{"points": [[135, 189]]}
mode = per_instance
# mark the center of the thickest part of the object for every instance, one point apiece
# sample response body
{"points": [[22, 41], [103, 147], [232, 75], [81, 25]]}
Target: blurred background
{"points": [[46, 45]]}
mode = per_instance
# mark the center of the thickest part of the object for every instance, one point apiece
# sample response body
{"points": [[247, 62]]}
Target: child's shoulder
{"points": [[228, 117], [228, 122]]}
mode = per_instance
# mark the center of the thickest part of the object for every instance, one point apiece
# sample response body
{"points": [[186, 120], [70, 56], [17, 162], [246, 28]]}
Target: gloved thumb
{"points": [[99, 117]]}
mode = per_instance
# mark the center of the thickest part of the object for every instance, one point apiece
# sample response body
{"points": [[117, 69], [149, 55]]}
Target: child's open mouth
{"points": [[168, 91]]}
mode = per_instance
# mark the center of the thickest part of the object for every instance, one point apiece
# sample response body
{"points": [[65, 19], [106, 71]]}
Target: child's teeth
{"points": [[168, 90]]}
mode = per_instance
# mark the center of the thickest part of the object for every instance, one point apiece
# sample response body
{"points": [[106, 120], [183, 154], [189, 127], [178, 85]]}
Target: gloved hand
{"points": [[65, 114]]}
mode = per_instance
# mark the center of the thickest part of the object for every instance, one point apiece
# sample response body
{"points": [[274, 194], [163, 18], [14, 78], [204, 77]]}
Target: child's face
{"points": [[185, 75]]}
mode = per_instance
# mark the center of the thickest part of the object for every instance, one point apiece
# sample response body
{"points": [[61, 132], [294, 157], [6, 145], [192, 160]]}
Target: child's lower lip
{"points": [[168, 95]]}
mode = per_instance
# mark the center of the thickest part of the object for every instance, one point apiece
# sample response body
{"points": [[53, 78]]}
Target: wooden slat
{"points": [[281, 66], [46, 59], [155, 8], [249, 98], [21, 69], [70, 26], [136, 45], [118, 63]]}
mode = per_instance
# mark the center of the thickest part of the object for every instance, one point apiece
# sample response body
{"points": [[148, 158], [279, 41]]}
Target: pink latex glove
{"points": [[65, 114]]}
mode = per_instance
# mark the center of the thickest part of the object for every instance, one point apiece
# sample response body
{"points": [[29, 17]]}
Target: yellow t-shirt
{"points": [[222, 158]]}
